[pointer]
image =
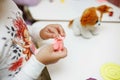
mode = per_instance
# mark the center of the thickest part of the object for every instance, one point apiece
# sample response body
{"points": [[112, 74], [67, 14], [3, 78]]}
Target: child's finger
{"points": [[51, 35], [64, 53], [60, 30], [61, 54], [53, 31]]}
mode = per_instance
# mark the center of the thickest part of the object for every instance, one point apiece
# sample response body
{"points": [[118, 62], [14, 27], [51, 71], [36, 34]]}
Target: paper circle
{"points": [[110, 71]]}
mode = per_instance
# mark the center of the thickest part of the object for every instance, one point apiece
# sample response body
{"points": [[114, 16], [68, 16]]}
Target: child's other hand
{"points": [[47, 55], [52, 31]]}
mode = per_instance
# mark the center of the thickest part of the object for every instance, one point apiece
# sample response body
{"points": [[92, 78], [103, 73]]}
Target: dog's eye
{"points": [[97, 21]]}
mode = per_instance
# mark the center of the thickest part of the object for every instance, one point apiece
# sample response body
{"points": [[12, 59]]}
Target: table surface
{"points": [[69, 9], [85, 56]]}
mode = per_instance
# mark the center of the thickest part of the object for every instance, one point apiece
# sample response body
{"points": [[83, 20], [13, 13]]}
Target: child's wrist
{"points": [[39, 59]]}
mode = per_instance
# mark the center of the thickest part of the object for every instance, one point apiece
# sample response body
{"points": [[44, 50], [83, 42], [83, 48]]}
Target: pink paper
{"points": [[58, 44]]}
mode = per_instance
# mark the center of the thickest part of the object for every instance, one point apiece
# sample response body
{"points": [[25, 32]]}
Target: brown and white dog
{"points": [[87, 24]]}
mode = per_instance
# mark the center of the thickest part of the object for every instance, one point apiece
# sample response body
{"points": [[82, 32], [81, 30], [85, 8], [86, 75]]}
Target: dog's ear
{"points": [[89, 17], [70, 23], [103, 9]]}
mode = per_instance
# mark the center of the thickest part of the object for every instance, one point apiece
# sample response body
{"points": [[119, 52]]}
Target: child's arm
{"points": [[39, 33], [31, 70], [34, 33]]}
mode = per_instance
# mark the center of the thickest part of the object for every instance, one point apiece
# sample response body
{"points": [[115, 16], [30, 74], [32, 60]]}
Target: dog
{"points": [[88, 24]]}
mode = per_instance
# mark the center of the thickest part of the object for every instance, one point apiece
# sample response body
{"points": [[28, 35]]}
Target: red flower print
{"points": [[16, 65], [20, 25], [22, 33]]}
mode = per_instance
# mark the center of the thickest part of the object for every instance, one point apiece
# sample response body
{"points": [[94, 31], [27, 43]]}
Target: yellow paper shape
{"points": [[62, 1], [110, 71]]}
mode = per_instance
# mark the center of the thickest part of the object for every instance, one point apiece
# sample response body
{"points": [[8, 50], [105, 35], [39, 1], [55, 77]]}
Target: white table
{"points": [[68, 10], [85, 56]]}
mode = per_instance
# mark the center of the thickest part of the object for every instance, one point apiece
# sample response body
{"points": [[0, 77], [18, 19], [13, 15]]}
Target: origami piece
{"points": [[58, 43], [110, 71]]}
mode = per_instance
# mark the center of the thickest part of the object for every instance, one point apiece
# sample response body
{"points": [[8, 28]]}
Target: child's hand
{"points": [[47, 55], [52, 31]]}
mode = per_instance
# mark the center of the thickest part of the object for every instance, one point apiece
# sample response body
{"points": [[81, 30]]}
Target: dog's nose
{"points": [[99, 24]]}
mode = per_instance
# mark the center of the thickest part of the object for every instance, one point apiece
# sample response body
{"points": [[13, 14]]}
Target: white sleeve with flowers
{"points": [[17, 60]]}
